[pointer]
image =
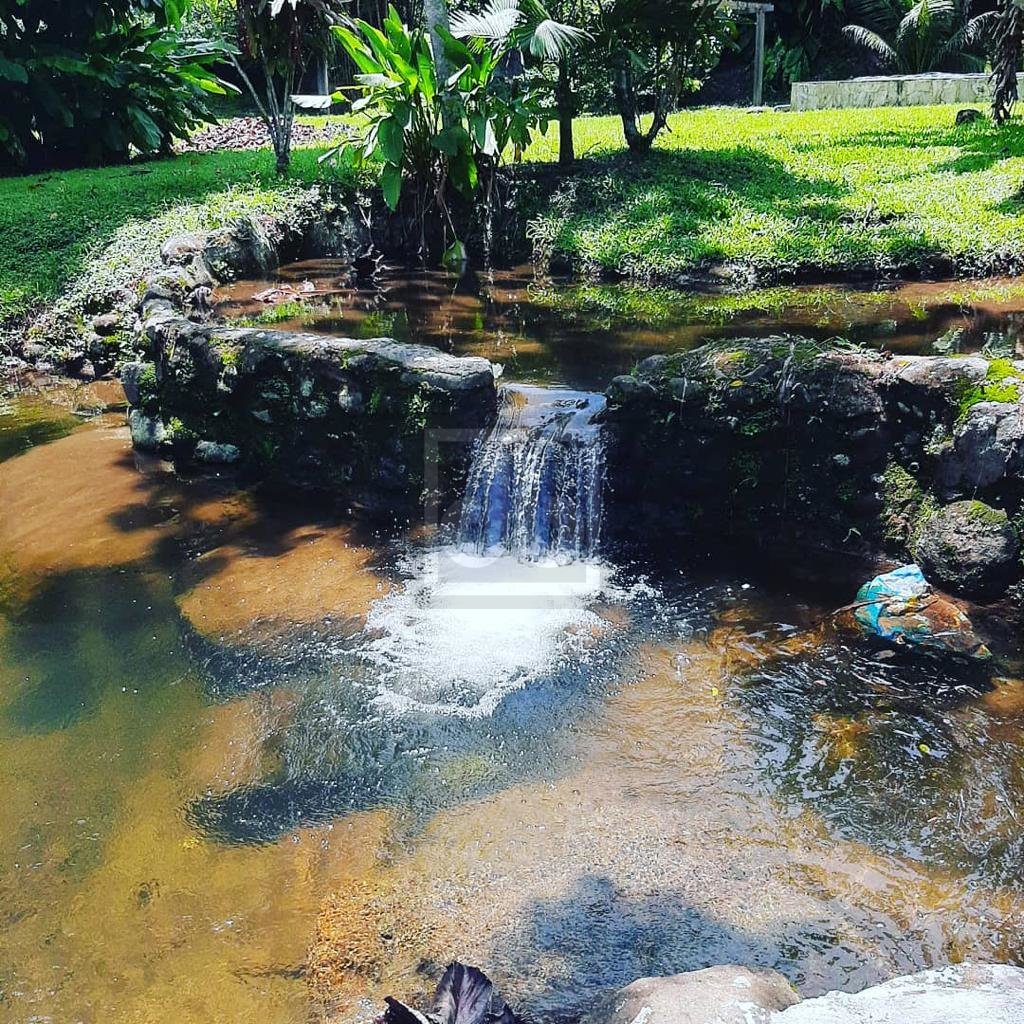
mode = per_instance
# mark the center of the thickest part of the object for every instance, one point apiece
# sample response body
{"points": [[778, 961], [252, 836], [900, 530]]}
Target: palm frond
{"points": [[872, 41], [496, 21], [551, 39], [881, 16]]}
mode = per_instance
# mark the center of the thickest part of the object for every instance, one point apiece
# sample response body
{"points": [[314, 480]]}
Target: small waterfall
{"points": [[535, 486]]}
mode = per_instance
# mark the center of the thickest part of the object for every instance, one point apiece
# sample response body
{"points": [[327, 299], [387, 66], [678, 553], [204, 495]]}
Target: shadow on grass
{"points": [[710, 180]]}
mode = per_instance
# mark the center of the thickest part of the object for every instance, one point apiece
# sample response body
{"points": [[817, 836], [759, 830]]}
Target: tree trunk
{"points": [[435, 15], [1009, 33], [564, 100], [625, 100]]}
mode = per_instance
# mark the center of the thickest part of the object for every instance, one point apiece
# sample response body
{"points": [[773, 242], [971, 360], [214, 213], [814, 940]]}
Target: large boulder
{"points": [[987, 446], [723, 995], [798, 448], [960, 994], [969, 548]]}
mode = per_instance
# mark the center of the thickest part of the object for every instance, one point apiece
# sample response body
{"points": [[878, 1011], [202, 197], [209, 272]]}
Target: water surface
{"points": [[562, 333], [260, 761]]}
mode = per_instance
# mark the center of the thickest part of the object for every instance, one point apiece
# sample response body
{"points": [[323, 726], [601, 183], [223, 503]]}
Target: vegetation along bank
{"points": [[762, 196]]}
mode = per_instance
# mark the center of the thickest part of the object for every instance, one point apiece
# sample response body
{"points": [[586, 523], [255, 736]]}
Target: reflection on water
{"points": [[561, 333], [259, 763]]}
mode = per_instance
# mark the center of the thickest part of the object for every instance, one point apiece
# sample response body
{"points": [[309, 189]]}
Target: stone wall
{"points": [[894, 91], [346, 417], [797, 449]]}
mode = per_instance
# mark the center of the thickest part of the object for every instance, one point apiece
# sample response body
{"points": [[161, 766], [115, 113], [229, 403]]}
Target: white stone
{"points": [[960, 994]]}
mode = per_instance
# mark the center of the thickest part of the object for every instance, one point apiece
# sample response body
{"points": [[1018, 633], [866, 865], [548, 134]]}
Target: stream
{"points": [[264, 762]]}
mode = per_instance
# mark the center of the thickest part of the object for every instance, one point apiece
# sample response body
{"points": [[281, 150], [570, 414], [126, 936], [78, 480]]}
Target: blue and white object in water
{"points": [[902, 608]]}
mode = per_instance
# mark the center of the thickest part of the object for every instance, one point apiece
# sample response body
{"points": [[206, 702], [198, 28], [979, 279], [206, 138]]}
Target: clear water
{"points": [[558, 333], [261, 763]]}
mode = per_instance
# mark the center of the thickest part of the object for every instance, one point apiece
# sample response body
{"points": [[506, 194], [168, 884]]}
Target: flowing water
{"points": [[261, 762], [535, 486]]}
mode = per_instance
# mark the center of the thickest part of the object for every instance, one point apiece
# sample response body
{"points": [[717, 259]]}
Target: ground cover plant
{"points": [[58, 227], [820, 193]]}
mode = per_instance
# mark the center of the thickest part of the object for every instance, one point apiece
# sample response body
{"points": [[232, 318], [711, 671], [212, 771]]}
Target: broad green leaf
{"points": [[391, 185], [391, 140], [13, 72]]}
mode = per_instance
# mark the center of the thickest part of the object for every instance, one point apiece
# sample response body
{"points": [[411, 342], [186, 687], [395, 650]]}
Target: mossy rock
{"points": [[969, 548]]}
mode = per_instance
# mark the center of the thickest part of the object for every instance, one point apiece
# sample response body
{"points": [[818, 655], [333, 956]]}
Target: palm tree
{"points": [[281, 36], [1006, 58], [930, 35], [528, 26]]}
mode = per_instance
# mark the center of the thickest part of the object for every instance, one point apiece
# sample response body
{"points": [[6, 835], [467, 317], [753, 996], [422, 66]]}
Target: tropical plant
{"points": [[93, 81], [915, 38], [658, 50], [433, 136], [1008, 33], [807, 42], [280, 37], [544, 43]]}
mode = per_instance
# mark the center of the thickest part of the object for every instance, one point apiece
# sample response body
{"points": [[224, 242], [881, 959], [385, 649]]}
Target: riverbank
{"points": [[766, 197]]}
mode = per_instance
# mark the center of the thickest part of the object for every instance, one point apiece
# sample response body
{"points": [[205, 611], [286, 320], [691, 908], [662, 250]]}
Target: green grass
{"points": [[110, 220], [823, 192]]}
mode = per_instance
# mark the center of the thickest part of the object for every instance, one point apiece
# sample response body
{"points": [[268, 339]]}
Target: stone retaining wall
{"points": [[894, 91], [798, 449], [346, 417]]}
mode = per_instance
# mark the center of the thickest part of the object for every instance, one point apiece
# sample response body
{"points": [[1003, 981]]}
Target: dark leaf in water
{"points": [[398, 1013], [465, 995]]}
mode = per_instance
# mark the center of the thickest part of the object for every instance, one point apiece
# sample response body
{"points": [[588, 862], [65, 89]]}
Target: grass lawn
{"points": [[55, 227], [821, 192]]}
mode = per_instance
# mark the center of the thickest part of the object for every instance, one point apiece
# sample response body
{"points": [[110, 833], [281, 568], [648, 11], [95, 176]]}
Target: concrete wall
{"points": [[894, 91]]}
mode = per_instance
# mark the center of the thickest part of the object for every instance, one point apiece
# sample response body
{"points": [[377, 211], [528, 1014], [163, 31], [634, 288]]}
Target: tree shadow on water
{"points": [[81, 635], [597, 939]]}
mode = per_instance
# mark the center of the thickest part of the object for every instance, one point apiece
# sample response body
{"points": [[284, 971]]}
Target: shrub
{"points": [[90, 82]]}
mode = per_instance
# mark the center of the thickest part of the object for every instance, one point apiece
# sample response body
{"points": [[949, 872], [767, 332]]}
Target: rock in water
{"points": [[960, 994], [725, 994], [970, 548], [901, 607]]}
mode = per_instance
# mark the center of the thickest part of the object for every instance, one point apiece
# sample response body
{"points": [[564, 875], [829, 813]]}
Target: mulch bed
{"points": [[251, 133]]}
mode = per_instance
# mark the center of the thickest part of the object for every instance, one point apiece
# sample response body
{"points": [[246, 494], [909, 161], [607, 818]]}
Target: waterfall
{"points": [[535, 485]]}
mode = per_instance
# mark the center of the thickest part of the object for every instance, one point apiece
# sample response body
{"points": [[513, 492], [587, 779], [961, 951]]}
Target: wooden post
{"points": [[759, 58]]}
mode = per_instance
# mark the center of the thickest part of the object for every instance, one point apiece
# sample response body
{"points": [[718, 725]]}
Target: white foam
{"points": [[467, 629]]}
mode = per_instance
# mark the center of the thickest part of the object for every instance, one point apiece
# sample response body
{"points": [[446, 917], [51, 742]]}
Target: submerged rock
{"points": [[969, 548], [902, 608], [723, 994], [959, 994]]}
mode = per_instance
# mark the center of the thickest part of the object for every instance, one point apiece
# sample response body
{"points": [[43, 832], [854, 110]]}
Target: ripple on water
{"points": [[611, 781]]}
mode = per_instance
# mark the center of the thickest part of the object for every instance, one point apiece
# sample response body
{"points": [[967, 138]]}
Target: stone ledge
{"points": [[894, 91]]}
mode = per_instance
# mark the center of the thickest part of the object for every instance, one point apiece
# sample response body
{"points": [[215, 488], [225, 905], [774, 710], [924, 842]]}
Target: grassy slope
{"points": [[54, 225], [859, 189], [824, 191]]}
